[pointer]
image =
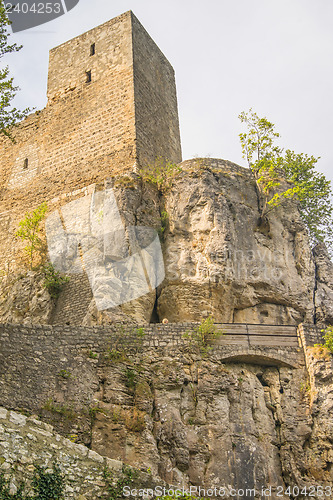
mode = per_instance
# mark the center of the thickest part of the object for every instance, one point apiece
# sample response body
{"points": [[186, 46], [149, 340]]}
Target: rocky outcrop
{"points": [[208, 423], [25, 300], [318, 454], [323, 294], [220, 260], [219, 257]]}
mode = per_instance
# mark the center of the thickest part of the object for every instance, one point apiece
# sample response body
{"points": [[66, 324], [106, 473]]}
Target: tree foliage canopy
{"points": [[271, 165], [9, 115]]}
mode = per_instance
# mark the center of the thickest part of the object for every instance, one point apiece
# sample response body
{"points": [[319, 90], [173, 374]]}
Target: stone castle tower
{"points": [[112, 105]]}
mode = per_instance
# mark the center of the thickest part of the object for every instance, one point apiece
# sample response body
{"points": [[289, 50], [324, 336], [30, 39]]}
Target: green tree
{"points": [[9, 115], [271, 166], [258, 142], [264, 159], [30, 230], [314, 193]]}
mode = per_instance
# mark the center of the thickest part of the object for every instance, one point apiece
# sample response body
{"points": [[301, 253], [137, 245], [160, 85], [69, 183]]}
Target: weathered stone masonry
{"points": [[31, 358], [28, 441]]}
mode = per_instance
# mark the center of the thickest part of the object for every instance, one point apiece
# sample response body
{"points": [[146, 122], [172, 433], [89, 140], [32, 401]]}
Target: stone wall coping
{"points": [[148, 326], [218, 163]]}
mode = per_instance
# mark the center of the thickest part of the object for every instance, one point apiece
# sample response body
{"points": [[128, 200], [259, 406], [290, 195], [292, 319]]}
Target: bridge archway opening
{"points": [[257, 359]]}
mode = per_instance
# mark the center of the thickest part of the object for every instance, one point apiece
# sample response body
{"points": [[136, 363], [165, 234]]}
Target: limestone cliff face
{"points": [[219, 259], [207, 423], [318, 444], [324, 285], [24, 299]]}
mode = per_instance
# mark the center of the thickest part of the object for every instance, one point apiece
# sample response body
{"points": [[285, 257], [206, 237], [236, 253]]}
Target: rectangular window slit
{"points": [[25, 164], [92, 49], [88, 76]]}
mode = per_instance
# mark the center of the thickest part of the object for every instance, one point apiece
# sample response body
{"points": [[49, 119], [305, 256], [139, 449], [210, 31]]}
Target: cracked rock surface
{"points": [[219, 258]]}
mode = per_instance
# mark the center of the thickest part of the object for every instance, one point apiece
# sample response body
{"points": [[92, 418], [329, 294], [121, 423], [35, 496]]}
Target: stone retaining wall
{"points": [[27, 441], [310, 335], [33, 359]]}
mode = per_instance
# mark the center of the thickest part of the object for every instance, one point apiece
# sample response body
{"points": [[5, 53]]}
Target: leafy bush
{"points": [[328, 337], [161, 172], [130, 379], [92, 354], [115, 488], [201, 335], [65, 374], [53, 281], [5, 490], [163, 220], [45, 485], [48, 485], [139, 333]]}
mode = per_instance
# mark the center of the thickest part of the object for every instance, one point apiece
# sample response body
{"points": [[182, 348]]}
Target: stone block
{"points": [[80, 449], [95, 456], [3, 413], [115, 465], [17, 418]]}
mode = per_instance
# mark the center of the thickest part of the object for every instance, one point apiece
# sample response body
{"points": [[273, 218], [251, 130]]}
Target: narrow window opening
{"points": [[26, 162], [88, 75], [92, 49]]}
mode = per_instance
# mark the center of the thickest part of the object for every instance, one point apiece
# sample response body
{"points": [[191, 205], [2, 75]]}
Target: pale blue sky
{"points": [[275, 56]]}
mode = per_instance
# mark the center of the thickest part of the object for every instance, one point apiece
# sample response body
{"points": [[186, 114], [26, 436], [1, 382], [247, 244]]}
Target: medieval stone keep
{"points": [[112, 106], [116, 395]]}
